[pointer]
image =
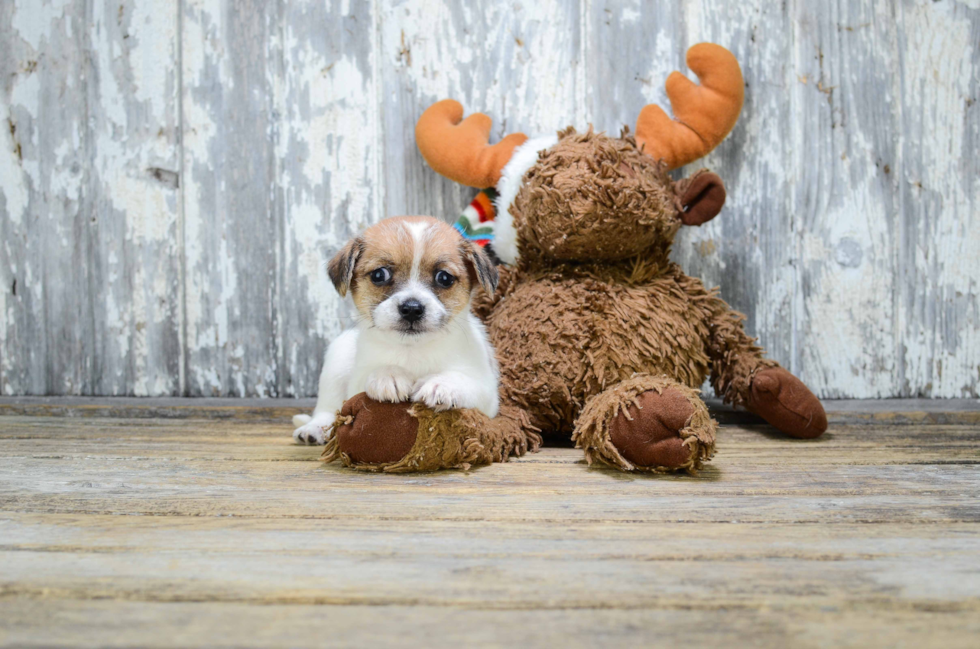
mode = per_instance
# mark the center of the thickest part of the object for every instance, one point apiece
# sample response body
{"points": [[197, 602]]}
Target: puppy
{"points": [[416, 339]]}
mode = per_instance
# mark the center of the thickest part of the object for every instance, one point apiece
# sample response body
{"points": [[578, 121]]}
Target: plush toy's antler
{"points": [[458, 148], [704, 114]]}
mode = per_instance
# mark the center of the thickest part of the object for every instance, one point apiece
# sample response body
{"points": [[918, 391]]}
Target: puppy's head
{"points": [[411, 274]]}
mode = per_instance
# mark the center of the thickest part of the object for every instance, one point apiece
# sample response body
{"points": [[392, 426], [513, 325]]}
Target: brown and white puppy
{"points": [[411, 279]]}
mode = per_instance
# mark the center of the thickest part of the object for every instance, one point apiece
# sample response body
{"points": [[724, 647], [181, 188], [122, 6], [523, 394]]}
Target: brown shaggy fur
{"points": [[566, 329], [595, 310]]}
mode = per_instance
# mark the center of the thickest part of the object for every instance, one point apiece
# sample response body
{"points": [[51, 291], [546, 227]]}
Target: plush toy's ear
{"points": [[480, 267], [341, 267], [701, 197]]}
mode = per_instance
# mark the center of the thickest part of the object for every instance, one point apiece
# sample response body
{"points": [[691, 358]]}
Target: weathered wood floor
{"points": [[196, 532]]}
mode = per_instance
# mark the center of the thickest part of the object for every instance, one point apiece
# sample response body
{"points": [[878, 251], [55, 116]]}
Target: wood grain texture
{"points": [[329, 148], [232, 213], [938, 268], [124, 624], [845, 205], [121, 532], [89, 258], [518, 63], [174, 175]]}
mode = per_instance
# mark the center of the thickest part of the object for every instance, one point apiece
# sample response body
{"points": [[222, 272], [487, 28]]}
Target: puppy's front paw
{"points": [[439, 393], [317, 431], [392, 384]]}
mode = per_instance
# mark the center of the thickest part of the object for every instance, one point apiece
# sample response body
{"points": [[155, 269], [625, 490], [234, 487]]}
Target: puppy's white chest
{"points": [[413, 363]]}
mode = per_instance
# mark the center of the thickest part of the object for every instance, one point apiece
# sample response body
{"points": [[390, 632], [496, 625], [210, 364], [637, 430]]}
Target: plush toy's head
{"points": [[593, 197], [588, 196]]}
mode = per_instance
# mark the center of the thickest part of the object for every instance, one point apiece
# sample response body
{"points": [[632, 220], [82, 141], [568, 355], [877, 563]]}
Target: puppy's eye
{"points": [[380, 276], [444, 279]]}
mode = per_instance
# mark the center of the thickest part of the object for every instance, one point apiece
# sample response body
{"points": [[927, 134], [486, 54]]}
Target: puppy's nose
{"points": [[411, 310]]}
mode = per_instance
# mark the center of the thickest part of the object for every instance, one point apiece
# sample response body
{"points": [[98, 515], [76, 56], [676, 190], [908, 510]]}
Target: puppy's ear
{"points": [[480, 267], [341, 267], [701, 197]]}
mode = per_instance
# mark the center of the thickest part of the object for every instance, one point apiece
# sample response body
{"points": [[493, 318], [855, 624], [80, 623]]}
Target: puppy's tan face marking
{"points": [[413, 275]]}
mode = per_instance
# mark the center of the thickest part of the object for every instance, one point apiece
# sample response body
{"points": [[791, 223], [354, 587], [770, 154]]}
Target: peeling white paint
{"points": [[941, 339], [13, 185], [328, 150], [518, 56], [19, 175], [32, 20], [863, 280]]}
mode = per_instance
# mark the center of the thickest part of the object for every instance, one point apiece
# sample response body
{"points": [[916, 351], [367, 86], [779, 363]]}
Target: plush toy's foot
{"points": [[370, 432], [647, 423], [785, 402], [403, 437]]}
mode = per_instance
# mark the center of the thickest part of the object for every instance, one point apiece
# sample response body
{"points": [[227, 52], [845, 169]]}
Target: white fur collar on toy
{"points": [[505, 235]]}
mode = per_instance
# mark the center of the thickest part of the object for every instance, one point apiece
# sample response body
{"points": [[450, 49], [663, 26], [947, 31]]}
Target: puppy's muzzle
{"points": [[411, 310]]}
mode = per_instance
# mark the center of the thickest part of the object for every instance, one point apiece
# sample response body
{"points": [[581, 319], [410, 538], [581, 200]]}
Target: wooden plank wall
{"points": [[173, 174]]}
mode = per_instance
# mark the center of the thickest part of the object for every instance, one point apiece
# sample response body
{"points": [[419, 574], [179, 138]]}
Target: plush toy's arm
{"points": [[744, 377], [735, 358], [483, 303]]}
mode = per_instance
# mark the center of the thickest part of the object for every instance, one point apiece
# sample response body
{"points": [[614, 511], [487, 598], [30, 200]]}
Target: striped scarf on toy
{"points": [[476, 221]]}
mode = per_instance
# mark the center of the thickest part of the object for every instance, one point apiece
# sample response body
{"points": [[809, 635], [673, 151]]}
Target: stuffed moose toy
{"points": [[598, 334]]}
